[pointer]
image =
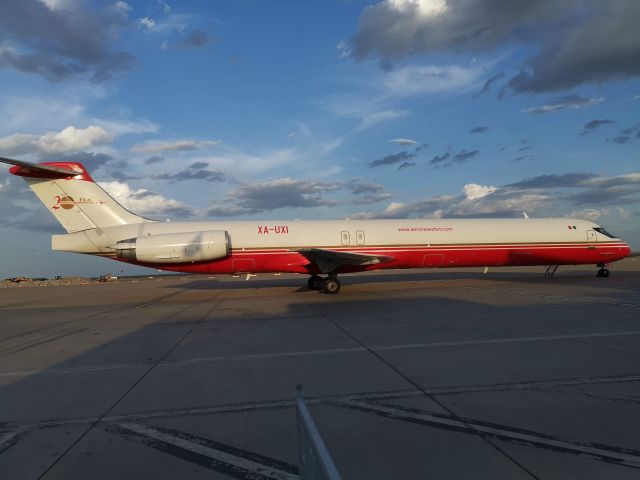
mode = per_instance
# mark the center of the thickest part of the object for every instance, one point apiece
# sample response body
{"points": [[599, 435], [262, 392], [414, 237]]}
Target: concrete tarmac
{"points": [[417, 374]]}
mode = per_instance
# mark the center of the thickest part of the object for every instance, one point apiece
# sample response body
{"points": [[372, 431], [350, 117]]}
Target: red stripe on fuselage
{"points": [[442, 256]]}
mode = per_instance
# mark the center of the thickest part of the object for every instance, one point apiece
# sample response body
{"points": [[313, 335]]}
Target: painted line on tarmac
{"points": [[540, 338], [620, 456], [10, 438], [222, 458], [330, 351], [318, 400]]}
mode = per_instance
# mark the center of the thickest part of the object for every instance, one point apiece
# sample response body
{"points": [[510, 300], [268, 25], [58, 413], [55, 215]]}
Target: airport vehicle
{"points": [[98, 225]]}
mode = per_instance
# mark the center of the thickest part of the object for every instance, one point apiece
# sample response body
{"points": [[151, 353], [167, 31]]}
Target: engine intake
{"points": [[185, 247]]}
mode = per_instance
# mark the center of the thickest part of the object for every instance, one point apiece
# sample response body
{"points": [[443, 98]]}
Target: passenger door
{"points": [[592, 240]]}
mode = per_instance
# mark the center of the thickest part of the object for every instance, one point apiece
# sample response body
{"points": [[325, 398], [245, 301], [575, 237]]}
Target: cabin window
{"points": [[604, 232]]}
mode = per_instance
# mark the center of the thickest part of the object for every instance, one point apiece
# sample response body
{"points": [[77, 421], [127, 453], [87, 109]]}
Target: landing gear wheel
{"points": [[603, 272], [315, 282], [331, 285]]}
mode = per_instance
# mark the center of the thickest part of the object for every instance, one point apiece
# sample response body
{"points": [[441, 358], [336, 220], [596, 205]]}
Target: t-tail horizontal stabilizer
{"points": [[39, 170], [69, 193]]}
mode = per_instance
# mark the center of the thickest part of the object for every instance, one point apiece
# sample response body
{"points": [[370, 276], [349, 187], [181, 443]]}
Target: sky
{"points": [[255, 109]]}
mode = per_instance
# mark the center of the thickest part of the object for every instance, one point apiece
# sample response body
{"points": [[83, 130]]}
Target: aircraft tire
{"points": [[331, 285], [315, 282]]}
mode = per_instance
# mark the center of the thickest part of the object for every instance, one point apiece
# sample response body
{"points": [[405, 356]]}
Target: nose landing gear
{"points": [[602, 271], [330, 284]]}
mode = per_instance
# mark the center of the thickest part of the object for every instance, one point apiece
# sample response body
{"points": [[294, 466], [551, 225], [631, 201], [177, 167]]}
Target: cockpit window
{"points": [[604, 232]]}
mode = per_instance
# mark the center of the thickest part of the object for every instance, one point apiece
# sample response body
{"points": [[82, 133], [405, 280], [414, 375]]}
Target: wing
{"points": [[331, 260]]}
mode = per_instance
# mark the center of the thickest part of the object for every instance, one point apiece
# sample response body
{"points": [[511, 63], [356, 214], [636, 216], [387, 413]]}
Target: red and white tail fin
{"points": [[70, 194]]}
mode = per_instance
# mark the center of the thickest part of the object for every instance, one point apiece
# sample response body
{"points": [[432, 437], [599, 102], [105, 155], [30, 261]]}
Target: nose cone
{"points": [[626, 250]]}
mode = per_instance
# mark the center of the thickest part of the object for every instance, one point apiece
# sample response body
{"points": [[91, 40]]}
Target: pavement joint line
{"points": [[318, 400], [621, 456], [262, 356], [554, 297], [401, 374], [113, 405], [94, 316]]}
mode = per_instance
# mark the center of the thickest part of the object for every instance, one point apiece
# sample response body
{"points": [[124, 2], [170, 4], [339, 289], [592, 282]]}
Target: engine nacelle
{"points": [[186, 247]]}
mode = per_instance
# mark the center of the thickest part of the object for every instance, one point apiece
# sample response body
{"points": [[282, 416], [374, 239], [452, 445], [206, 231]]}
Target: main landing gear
{"points": [[330, 284], [602, 271]]}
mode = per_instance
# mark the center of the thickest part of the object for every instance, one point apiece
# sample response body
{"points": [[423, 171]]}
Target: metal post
{"points": [[313, 457]]}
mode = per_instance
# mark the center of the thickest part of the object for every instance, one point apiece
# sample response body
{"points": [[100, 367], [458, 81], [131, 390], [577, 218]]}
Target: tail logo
{"points": [[67, 202]]}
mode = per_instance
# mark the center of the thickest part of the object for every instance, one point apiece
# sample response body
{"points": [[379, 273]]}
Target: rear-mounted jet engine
{"points": [[187, 247]]}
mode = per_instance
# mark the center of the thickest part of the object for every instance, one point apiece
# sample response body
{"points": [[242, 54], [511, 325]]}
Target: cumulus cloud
{"points": [[473, 191], [144, 202], [177, 146], [69, 139], [56, 42], [257, 197], [588, 191], [591, 214], [604, 46], [476, 201], [599, 44], [590, 188], [269, 195], [566, 102]]}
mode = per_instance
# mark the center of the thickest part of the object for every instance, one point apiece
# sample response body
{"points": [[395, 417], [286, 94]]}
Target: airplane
{"points": [[96, 224]]}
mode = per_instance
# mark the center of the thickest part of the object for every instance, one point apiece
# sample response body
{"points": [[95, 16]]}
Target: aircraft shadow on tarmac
{"points": [[566, 278], [206, 359]]}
